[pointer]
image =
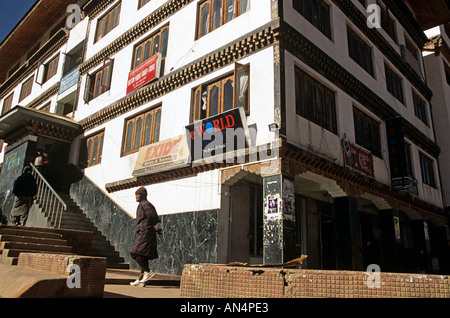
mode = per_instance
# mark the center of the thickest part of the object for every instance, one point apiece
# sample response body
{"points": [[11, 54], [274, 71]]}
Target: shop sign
{"points": [[358, 158], [69, 80], [162, 156], [218, 135], [144, 73]]}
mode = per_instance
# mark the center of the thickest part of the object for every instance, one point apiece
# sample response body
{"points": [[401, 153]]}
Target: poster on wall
{"points": [[358, 158], [288, 200], [272, 207]]}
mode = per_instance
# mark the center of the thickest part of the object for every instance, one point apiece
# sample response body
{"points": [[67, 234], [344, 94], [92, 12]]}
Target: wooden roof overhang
{"points": [[430, 13], [40, 18], [22, 121]]}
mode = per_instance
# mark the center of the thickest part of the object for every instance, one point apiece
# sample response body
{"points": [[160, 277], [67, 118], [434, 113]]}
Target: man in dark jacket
{"points": [[144, 248], [24, 190]]}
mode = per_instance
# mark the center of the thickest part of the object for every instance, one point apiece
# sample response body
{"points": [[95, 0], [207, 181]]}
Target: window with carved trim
{"points": [[394, 83], [215, 13], [359, 51], [99, 82], [156, 43], [142, 3], [141, 130], [226, 93], [387, 22], [51, 68], [91, 150], [367, 132], [108, 22], [427, 168], [316, 12], [314, 101], [420, 108], [26, 88], [7, 103]]}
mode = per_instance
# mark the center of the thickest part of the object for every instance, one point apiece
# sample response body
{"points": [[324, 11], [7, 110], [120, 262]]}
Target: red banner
{"points": [[144, 73]]}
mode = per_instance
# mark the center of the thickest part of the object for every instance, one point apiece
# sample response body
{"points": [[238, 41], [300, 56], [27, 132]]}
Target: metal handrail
{"points": [[50, 201]]}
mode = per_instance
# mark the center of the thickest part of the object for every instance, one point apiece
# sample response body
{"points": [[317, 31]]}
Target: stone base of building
{"points": [[221, 281], [54, 276]]}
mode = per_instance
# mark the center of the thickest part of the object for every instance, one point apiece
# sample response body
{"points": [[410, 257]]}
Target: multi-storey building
{"points": [[324, 153]]}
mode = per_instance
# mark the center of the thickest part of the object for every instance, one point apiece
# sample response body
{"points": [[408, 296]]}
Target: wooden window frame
{"points": [[363, 55], [98, 83], [150, 43], [388, 23], [222, 19], [420, 108], [371, 139], [51, 68], [427, 170], [318, 105], [91, 150], [240, 93], [447, 72], [7, 103], [104, 25], [26, 89], [142, 3], [307, 8], [409, 164], [394, 83], [147, 135]]}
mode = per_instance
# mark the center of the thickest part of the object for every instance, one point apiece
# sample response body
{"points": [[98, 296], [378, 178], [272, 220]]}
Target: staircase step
{"points": [[31, 239], [30, 231], [36, 247], [75, 219]]}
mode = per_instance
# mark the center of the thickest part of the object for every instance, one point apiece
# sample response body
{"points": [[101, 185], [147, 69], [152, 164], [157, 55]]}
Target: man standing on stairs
{"points": [[144, 248], [24, 190]]}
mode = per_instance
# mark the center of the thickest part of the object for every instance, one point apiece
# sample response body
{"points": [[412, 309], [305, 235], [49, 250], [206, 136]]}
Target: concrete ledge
{"points": [[19, 282], [47, 275], [221, 281]]}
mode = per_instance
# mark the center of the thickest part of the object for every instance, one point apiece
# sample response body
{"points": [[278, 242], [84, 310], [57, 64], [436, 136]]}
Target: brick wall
{"points": [[217, 281], [91, 275]]}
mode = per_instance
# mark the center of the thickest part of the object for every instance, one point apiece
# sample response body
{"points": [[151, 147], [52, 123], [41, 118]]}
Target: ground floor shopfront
{"points": [[272, 212]]}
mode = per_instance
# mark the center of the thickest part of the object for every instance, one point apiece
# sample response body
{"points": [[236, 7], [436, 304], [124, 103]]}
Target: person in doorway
{"points": [[24, 190], [39, 160], [144, 248]]}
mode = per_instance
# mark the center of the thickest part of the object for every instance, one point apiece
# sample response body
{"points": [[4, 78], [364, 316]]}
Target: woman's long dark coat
{"points": [[145, 243]]}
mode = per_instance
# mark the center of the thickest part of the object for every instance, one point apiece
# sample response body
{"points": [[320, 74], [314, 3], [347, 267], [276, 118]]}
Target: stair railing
{"points": [[50, 201]]}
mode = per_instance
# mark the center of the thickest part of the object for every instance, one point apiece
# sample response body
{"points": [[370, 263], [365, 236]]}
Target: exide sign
{"points": [[217, 135]]}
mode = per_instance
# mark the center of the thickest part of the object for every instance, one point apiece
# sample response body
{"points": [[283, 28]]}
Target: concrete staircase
{"points": [[75, 219], [15, 240]]}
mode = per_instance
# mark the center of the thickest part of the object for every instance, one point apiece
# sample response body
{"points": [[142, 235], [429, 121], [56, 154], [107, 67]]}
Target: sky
{"points": [[11, 11]]}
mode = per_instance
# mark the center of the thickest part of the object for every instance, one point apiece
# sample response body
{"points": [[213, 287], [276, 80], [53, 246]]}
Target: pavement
{"points": [[17, 280], [117, 285]]}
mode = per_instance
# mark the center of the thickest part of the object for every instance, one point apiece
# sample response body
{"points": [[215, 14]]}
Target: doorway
{"points": [[57, 152]]}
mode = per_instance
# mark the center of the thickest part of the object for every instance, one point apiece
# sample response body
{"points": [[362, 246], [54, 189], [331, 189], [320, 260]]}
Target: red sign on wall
{"points": [[358, 158], [144, 73]]}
